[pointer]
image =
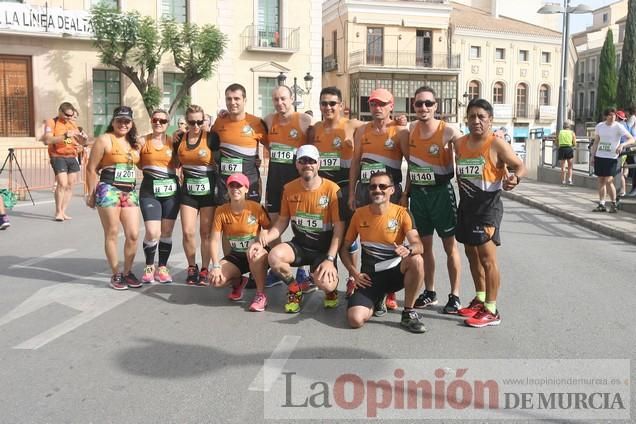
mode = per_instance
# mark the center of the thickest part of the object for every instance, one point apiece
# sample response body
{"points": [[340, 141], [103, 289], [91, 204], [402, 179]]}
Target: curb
{"points": [[584, 222]]}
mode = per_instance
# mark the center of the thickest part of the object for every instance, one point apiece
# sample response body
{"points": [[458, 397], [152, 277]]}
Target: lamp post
{"points": [[565, 45], [308, 84]]}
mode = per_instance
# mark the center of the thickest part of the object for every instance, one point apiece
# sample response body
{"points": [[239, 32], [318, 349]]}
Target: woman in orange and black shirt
{"points": [[112, 160]]}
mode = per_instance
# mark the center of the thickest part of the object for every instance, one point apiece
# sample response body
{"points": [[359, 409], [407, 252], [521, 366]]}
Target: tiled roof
{"points": [[471, 18]]}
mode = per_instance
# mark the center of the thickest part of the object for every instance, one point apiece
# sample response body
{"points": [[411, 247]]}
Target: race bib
{"points": [[369, 169], [124, 173], [240, 243], [330, 161], [470, 168], [230, 166], [280, 153], [605, 147], [198, 186], [422, 175], [164, 188], [311, 222]]}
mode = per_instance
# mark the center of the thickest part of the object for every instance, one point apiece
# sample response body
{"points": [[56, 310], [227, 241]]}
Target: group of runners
{"points": [[337, 182]]}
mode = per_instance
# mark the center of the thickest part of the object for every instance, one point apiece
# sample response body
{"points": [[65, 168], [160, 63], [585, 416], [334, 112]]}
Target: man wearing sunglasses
{"points": [[387, 264], [64, 140], [433, 203], [240, 135], [312, 204]]}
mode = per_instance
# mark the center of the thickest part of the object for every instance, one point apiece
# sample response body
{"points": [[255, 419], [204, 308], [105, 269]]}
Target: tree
{"points": [[135, 45], [626, 95], [606, 89]]}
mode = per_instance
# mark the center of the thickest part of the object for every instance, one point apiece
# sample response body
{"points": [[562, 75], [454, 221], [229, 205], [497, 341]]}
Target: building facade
{"points": [[47, 57]]}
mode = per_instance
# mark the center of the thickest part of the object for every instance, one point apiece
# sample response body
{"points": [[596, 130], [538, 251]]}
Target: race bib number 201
{"points": [[124, 173]]}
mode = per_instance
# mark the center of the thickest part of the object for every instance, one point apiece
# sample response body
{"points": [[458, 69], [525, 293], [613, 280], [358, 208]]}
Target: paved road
{"points": [[76, 351]]}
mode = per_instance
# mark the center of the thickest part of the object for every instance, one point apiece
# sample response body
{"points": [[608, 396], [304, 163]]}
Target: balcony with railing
{"points": [[403, 60], [271, 39]]}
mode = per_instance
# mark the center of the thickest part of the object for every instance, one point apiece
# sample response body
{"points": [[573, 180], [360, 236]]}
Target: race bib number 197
{"points": [[330, 161]]}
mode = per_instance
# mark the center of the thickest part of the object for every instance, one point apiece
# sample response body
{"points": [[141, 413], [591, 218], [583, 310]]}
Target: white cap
{"points": [[309, 151]]}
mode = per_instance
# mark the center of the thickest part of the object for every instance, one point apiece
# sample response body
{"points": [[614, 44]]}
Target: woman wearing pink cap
{"points": [[240, 221]]}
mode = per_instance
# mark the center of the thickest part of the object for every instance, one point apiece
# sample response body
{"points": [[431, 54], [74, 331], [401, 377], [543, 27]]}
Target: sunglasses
{"points": [[427, 103], [307, 161], [331, 103], [382, 187], [197, 122], [159, 121], [377, 103], [69, 115], [123, 121]]}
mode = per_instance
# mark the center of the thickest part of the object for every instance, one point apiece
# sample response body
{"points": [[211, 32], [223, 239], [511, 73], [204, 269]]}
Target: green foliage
{"points": [[606, 89], [626, 95], [135, 45]]}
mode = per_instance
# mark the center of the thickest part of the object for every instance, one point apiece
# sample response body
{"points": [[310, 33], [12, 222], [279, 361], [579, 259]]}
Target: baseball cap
{"points": [[620, 115], [123, 112], [238, 178], [308, 151], [382, 95]]}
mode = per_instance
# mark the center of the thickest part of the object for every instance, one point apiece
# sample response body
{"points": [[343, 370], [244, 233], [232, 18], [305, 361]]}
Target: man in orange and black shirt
{"points": [[387, 264], [312, 204], [64, 140]]}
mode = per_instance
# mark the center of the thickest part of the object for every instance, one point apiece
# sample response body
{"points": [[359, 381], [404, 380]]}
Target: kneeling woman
{"points": [[240, 221], [114, 156]]}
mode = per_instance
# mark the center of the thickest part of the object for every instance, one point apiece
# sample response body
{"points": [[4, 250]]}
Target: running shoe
{"points": [[600, 208], [301, 275], [162, 275], [391, 303], [453, 305], [475, 306], [203, 277], [259, 303], [307, 286], [613, 208], [294, 301], [412, 321], [132, 281], [149, 274], [427, 298], [483, 318], [237, 289], [331, 300], [4, 222], [351, 287], [193, 275], [379, 310], [272, 279], [117, 283]]}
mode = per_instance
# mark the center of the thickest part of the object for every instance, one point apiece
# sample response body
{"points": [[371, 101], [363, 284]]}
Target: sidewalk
{"points": [[575, 204]]}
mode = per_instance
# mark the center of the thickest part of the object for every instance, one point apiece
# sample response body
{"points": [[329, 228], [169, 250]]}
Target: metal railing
{"points": [[404, 59], [258, 37]]}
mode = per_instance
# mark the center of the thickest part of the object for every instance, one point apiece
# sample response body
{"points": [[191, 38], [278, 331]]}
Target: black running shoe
{"points": [[453, 305], [427, 298], [379, 310], [193, 275], [412, 321], [132, 281]]}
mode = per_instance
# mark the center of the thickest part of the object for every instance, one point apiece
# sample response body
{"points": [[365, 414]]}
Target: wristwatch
{"points": [[331, 258]]}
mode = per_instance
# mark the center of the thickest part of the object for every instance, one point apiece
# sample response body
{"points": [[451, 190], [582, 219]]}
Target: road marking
{"points": [[282, 353], [34, 261]]}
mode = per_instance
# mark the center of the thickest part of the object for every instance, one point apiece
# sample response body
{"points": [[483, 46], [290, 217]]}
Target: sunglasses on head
{"points": [[331, 103], [427, 103], [306, 161], [159, 121], [198, 122], [377, 103], [123, 121], [382, 187]]}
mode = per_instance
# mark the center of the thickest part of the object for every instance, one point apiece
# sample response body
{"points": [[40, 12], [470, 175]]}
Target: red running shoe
{"points": [[469, 311], [391, 303], [483, 318]]}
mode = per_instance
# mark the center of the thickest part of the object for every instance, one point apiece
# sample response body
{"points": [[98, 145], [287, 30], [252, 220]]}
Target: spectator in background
{"points": [[567, 142], [631, 159], [182, 125], [4, 218]]}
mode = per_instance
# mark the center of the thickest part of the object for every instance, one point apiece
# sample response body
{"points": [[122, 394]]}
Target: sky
{"points": [[579, 22]]}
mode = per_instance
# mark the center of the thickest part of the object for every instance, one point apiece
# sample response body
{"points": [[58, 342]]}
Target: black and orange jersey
{"points": [[313, 213], [479, 180], [380, 152], [378, 233], [284, 139], [158, 166], [118, 163], [430, 159], [239, 143], [336, 151], [57, 127], [197, 160], [240, 228]]}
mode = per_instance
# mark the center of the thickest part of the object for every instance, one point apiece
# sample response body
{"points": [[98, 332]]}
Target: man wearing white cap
{"points": [[312, 204]]}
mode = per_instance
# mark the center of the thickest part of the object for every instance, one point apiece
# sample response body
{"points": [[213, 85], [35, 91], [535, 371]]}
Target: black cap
{"points": [[123, 112]]}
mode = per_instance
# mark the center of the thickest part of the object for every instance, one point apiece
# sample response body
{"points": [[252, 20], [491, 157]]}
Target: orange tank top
{"points": [[158, 159], [430, 159], [381, 148], [284, 139], [118, 154], [335, 150], [475, 165], [61, 149]]}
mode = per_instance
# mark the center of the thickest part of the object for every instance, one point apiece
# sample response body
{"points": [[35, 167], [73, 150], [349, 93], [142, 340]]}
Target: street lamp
{"points": [[565, 45], [294, 88]]}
